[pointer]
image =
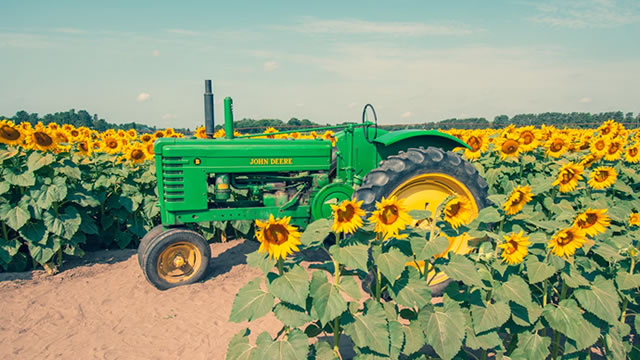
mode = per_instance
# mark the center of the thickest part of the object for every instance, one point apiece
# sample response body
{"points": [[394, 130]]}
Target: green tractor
{"points": [[248, 178]]}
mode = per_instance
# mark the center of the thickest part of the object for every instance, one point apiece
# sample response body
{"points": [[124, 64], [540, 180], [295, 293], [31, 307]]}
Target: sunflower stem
{"points": [[336, 335], [556, 334], [378, 284], [626, 301], [484, 354], [5, 233], [280, 266]]}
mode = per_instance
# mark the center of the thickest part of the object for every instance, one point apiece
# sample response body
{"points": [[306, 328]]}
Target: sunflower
{"points": [[132, 134], [277, 237], [294, 135], [75, 135], [508, 146], [515, 248], [615, 148], [568, 177], [528, 138], [518, 198], [67, 127], [592, 221], [201, 132], [565, 242], [53, 126], [634, 219], [158, 134], [62, 138], [11, 135], [608, 128], [632, 153], [458, 211], [219, 134], [149, 148], [347, 217], [588, 160], [557, 145], [85, 147], [42, 139], [270, 130], [602, 177], [169, 131], [328, 135], [135, 153], [478, 143], [390, 217], [145, 138], [111, 145]]}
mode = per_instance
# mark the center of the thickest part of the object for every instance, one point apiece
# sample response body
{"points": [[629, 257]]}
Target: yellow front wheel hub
{"points": [[179, 262], [427, 192]]}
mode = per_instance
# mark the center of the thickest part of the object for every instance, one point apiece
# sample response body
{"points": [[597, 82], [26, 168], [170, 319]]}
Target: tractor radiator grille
{"points": [[173, 178]]}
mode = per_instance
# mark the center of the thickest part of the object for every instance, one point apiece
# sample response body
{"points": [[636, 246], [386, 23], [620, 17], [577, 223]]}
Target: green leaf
{"points": [[88, 225], [497, 199], [636, 323], [420, 214], [34, 232], [291, 315], [608, 252], [292, 286], [17, 217], [4, 187], [123, 239], [70, 169], [251, 302], [369, 328], [323, 351], [515, 289], [462, 269], [349, 286], [38, 159], [525, 316], [391, 263], [315, 233], [396, 337], [71, 221], [294, 346], [425, 249], [538, 271], [567, 319], [487, 340], [489, 316], [626, 281], [353, 256], [6, 154], [444, 329], [615, 345], [262, 261], [42, 253], [239, 347], [602, 300], [534, 345], [244, 226], [26, 179], [8, 249], [572, 277], [489, 215], [327, 302], [411, 292], [413, 338]]}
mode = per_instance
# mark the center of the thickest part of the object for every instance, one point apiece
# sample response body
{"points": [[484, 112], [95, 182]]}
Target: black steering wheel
{"points": [[365, 128]]}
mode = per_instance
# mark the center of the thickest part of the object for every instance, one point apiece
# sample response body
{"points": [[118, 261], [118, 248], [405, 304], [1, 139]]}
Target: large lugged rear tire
{"points": [[424, 178], [144, 242], [175, 257]]}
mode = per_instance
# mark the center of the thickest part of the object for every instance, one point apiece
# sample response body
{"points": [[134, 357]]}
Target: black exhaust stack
{"points": [[208, 109]]}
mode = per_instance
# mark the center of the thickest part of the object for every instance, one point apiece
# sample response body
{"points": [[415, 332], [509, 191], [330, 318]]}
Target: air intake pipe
{"points": [[208, 110]]}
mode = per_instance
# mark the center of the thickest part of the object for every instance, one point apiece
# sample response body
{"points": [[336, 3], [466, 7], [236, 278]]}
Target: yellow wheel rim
{"points": [[426, 192], [179, 262]]}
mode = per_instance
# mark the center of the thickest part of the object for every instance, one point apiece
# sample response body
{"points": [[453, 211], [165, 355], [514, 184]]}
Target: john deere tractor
{"points": [[253, 178]]}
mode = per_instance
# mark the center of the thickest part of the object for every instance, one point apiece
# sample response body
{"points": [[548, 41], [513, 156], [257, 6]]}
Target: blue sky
{"points": [[415, 61]]}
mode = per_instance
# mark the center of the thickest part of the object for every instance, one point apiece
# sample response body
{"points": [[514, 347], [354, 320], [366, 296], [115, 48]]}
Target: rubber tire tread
{"points": [[160, 243], [144, 242], [397, 169]]}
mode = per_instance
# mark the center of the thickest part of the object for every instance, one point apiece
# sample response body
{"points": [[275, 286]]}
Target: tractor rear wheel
{"points": [[175, 257], [424, 178], [144, 242]]}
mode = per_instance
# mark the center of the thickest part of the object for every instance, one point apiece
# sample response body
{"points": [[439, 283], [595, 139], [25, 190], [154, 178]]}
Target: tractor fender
{"points": [[393, 142]]}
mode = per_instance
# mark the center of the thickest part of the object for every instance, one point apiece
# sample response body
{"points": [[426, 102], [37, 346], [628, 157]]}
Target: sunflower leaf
{"points": [[17, 217], [414, 338], [538, 271], [251, 302], [391, 263], [446, 328], [262, 261], [38, 159], [292, 286], [294, 346], [516, 290], [572, 277], [410, 292], [489, 316], [353, 256], [327, 302], [489, 215], [239, 347], [322, 351], [291, 315], [315, 233], [425, 249], [369, 328], [534, 345], [462, 269], [567, 319], [626, 281], [487, 340], [608, 252], [602, 300]]}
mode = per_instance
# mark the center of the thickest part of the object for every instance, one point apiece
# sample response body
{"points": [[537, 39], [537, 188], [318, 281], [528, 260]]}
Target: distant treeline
{"points": [[574, 120]]}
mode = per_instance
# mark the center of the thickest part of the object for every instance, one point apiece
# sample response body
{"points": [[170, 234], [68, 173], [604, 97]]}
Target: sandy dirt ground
{"points": [[102, 307]]}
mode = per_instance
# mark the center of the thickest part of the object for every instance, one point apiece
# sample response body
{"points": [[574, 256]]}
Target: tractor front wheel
{"points": [[175, 257], [424, 178], [144, 242]]}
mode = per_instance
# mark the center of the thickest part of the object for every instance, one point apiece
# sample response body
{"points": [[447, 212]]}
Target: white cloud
{"points": [[143, 96], [585, 100], [588, 14], [183, 32], [155, 53], [357, 26], [270, 66], [407, 114]]}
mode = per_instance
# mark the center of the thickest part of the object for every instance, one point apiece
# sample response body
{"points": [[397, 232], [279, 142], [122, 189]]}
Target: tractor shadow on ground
{"points": [[223, 262]]}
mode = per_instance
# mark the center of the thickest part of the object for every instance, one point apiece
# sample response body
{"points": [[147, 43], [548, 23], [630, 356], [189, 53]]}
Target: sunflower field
{"points": [[551, 270]]}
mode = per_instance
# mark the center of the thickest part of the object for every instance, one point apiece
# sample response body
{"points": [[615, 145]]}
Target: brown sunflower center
{"points": [[9, 133], [633, 151], [518, 197], [606, 131], [556, 145], [527, 137], [75, 133], [62, 138], [475, 143], [510, 147], [602, 175], [453, 209], [346, 215], [567, 176], [159, 135], [137, 154], [84, 147], [42, 139], [112, 143], [276, 234], [565, 238], [389, 214], [513, 246], [590, 220], [150, 148], [600, 144], [613, 148]]}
